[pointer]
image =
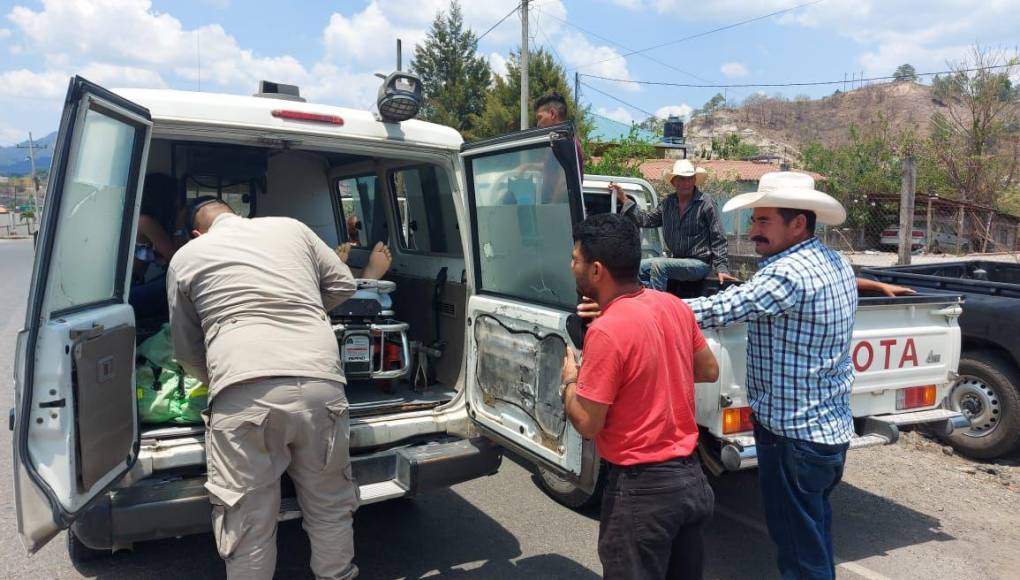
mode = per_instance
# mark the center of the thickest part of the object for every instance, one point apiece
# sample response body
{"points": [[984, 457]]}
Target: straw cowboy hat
{"points": [[788, 189], [684, 168]]}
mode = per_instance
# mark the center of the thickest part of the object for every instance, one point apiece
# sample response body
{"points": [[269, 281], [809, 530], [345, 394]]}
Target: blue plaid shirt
{"points": [[800, 310]]}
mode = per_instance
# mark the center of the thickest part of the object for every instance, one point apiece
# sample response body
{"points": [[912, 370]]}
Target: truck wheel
{"points": [[79, 553], [566, 493], [986, 393]]}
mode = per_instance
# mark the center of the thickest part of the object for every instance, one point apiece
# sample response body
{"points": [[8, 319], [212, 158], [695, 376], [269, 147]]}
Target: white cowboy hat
{"points": [[788, 189], [684, 168]]}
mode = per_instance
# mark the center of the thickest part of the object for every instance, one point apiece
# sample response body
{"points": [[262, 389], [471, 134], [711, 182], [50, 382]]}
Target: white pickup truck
{"points": [[905, 352], [482, 296]]}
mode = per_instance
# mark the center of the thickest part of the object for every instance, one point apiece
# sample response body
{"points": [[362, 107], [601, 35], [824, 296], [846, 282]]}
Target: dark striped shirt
{"points": [[697, 233]]}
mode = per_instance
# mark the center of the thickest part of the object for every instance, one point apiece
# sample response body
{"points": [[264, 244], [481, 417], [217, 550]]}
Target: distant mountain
{"points": [[14, 161], [783, 127]]}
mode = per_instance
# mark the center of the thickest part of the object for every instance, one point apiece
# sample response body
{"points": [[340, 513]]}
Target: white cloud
{"points": [[106, 35], [367, 37], [5, 32], [925, 34], [733, 70], [10, 136], [683, 111], [619, 114], [497, 62], [341, 86], [602, 61], [23, 83]]}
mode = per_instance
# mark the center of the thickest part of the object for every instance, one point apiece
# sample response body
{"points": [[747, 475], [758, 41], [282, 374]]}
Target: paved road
{"points": [[503, 527]]}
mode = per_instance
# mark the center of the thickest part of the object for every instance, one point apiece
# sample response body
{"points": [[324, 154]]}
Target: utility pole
{"points": [[524, 65], [907, 210], [35, 178], [577, 89]]}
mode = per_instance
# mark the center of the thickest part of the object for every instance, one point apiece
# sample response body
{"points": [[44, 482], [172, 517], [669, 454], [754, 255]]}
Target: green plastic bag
{"points": [[165, 393]]}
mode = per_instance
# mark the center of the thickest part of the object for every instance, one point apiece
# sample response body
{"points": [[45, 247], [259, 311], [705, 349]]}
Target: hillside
{"points": [[14, 161], [781, 127]]}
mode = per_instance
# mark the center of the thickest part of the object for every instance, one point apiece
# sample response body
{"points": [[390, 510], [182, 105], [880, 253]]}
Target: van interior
{"points": [[362, 199]]}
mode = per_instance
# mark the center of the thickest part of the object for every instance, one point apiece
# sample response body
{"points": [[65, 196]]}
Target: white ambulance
{"points": [[481, 300]]}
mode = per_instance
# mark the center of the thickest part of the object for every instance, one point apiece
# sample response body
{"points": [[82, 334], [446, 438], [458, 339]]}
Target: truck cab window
{"points": [[362, 220], [239, 194], [425, 210]]}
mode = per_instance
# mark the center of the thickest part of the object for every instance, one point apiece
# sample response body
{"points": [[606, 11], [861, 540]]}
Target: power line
{"points": [[611, 41], [780, 85], [501, 21], [706, 33], [621, 101], [541, 30]]}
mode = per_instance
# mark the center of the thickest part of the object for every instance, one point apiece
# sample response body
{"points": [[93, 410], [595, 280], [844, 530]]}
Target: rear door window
{"points": [[426, 215]]}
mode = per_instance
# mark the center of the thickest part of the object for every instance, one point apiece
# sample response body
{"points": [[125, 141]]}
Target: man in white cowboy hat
{"points": [[690, 225], [800, 308]]}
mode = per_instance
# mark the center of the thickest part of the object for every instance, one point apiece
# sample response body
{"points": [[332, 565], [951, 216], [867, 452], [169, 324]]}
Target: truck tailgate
{"points": [[903, 342]]}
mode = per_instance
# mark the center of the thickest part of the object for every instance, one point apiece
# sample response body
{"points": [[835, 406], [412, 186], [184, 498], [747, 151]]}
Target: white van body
{"points": [[481, 243]]}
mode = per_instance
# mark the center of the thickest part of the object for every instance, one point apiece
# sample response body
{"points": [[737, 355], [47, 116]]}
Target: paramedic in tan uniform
{"points": [[248, 313]]}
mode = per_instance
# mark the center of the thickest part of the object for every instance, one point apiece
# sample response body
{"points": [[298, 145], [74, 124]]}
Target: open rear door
{"points": [[75, 426], [524, 195]]}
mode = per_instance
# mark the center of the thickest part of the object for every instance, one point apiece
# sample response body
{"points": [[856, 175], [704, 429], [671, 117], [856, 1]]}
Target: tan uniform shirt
{"points": [[249, 300]]}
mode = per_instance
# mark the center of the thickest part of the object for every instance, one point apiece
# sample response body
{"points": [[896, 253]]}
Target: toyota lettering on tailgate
{"points": [[888, 353]]}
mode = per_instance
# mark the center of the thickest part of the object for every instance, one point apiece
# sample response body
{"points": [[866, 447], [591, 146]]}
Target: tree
{"points": [[502, 112], [905, 72], [731, 146], [454, 78], [976, 136], [623, 158], [653, 124]]}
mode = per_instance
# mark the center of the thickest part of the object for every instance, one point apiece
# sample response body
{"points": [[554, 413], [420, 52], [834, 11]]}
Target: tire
{"points": [[79, 553], [987, 393], [566, 493]]}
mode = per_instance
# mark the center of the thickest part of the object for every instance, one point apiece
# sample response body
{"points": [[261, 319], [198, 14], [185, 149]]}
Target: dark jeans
{"points": [[651, 522], [796, 478], [149, 299]]}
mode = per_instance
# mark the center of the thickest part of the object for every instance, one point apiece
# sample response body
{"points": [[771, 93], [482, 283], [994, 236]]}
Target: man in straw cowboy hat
{"points": [[690, 225], [800, 308]]}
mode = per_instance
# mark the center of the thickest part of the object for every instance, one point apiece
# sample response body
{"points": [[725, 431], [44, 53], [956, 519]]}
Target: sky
{"points": [[332, 49]]}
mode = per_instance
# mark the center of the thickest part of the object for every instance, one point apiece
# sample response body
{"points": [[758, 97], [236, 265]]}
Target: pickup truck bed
{"points": [[988, 389]]}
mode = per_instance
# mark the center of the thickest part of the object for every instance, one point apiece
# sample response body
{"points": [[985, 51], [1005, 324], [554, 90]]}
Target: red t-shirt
{"points": [[638, 358]]}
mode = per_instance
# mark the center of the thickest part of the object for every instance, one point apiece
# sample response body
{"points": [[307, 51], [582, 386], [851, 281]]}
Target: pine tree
{"points": [[503, 103], [454, 78]]}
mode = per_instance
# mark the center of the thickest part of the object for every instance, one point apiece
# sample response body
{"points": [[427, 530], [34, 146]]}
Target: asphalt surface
{"points": [[504, 527]]}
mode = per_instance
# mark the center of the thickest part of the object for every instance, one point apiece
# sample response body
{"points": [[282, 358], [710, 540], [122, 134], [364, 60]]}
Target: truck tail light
{"points": [[304, 116], [736, 420], [915, 397]]}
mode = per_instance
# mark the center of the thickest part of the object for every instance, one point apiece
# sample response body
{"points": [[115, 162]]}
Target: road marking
{"points": [[853, 567], [866, 573]]}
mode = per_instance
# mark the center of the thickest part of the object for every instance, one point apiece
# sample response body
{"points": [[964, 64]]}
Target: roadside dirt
{"points": [[976, 502]]}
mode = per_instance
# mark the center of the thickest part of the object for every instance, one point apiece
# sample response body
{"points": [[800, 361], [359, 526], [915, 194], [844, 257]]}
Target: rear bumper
{"points": [[740, 452], [157, 508]]}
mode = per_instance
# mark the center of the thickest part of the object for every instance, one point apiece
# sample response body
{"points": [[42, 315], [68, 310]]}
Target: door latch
{"points": [[88, 334]]}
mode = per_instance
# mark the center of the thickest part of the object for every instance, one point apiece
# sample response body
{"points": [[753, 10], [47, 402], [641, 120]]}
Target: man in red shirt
{"points": [[635, 395]]}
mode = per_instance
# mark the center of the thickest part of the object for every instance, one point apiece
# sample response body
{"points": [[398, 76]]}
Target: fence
{"points": [[941, 227]]}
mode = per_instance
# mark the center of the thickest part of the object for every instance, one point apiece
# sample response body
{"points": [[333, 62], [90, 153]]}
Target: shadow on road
{"points": [[439, 534], [864, 525]]}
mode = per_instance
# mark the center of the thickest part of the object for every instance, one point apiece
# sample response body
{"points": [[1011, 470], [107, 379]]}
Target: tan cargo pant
{"points": [[255, 432]]}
